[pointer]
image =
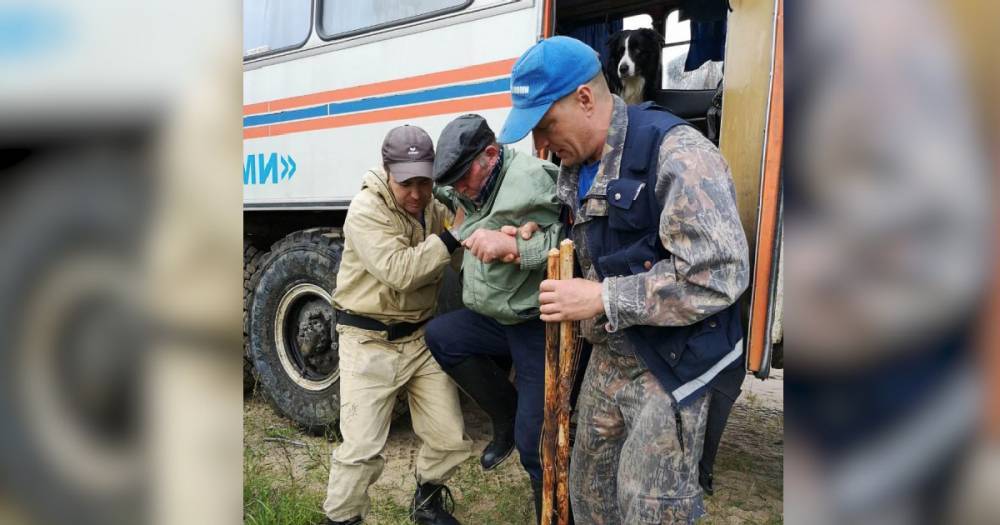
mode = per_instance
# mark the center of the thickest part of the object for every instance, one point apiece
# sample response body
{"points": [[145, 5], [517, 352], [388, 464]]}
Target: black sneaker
{"points": [[429, 505], [352, 521]]}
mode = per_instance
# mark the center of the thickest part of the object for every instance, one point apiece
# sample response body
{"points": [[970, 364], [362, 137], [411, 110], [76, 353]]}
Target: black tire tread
{"points": [[325, 245], [253, 259]]}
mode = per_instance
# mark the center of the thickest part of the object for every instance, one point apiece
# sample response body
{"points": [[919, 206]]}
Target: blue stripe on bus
{"points": [[284, 116], [430, 95], [367, 104]]}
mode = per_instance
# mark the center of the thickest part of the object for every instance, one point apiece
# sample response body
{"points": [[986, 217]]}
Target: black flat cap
{"points": [[461, 141]]}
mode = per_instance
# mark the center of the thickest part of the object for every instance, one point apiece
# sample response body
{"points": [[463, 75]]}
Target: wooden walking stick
{"points": [[551, 404], [566, 372]]}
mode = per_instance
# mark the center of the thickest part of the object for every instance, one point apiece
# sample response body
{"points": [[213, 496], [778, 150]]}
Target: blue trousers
{"points": [[457, 335]]}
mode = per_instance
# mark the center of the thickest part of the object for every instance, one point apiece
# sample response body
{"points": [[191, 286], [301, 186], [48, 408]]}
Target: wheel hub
{"points": [[304, 336]]}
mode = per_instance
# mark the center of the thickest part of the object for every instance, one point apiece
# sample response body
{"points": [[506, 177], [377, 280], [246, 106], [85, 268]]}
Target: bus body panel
{"points": [[339, 105]]}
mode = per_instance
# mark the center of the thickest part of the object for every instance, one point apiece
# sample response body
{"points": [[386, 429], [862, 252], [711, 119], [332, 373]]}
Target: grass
{"points": [[285, 475], [490, 499], [285, 482], [388, 511], [272, 499]]}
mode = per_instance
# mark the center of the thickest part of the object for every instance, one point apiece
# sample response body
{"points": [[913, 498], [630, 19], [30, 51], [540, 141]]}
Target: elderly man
{"points": [[497, 187], [664, 260], [395, 252]]}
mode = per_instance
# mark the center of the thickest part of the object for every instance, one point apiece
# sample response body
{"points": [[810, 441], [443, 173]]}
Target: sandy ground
{"points": [[748, 474], [748, 469]]}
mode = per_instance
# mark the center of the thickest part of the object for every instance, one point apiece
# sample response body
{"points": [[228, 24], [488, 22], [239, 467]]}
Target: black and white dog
{"points": [[634, 70]]}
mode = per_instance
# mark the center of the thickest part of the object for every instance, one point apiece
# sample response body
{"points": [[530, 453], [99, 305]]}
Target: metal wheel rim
{"points": [[292, 296], [74, 453]]}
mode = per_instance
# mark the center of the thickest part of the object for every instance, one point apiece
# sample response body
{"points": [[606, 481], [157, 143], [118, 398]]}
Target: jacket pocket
{"points": [[707, 345], [365, 356], [689, 350], [628, 207], [500, 276], [635, 258]]}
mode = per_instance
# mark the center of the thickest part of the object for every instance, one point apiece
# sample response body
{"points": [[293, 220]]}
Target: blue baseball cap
{"points": [[545, 73]]}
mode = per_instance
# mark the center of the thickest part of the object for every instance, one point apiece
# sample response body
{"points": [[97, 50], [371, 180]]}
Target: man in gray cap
{"points": [[396, 247], [497, 187]]}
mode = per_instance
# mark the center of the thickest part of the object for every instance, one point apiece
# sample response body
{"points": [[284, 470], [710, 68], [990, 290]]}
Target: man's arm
{"points": [[700, 227], [529, 248], [386, 254], [534, 250], [513, 244]]}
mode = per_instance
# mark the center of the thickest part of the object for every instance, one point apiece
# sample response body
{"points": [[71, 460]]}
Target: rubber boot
{"points": [[487, 385]]}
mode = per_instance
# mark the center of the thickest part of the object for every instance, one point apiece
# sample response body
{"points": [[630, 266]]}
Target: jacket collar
{"points": [[595, 203], [495, 175]]}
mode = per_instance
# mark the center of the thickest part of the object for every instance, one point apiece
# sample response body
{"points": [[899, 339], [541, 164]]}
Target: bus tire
{"points": [[292, 337], [72, 438], [252, 261]]}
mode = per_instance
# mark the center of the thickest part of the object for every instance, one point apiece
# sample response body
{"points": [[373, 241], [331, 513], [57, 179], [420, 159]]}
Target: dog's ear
{"points": [[611, 44], [611, 76], [611, 62], [654, 36]]}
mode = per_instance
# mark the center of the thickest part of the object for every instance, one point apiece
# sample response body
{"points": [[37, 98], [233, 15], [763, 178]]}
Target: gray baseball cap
{"points": [[408, 152], [461, 141]]}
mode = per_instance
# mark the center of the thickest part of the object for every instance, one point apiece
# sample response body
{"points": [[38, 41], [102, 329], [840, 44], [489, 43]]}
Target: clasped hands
{"points": [[499, 246], [560, 300]]}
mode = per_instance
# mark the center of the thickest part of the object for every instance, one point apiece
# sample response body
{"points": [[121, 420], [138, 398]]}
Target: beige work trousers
{"points": [[372, 370]]}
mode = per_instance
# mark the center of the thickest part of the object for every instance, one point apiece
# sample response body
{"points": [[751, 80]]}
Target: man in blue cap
{"points": [[664, 261]]}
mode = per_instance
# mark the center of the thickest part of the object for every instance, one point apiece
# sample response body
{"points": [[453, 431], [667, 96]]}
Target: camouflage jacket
{"points": [[700, 228]]}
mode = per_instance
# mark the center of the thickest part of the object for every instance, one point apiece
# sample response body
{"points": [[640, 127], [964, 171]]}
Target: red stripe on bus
{"points": [[489, 69], [255, 133], [260, 107], [464, 105]]}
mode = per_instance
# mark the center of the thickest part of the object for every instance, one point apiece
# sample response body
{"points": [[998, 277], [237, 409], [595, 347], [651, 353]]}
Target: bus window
{"points": [[270, 26], [678, 40], [340, 18]]}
